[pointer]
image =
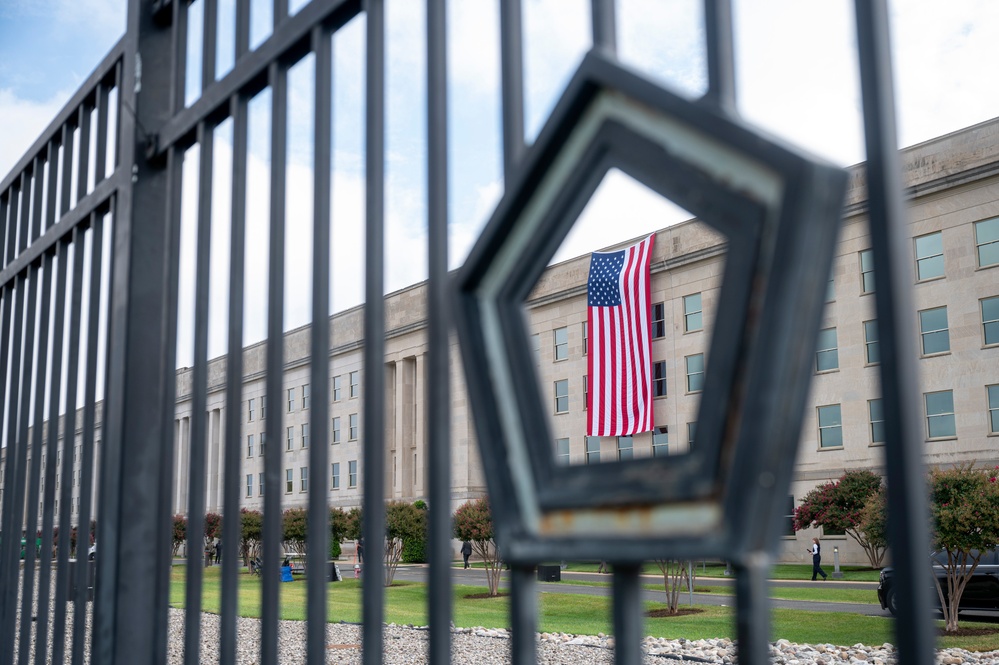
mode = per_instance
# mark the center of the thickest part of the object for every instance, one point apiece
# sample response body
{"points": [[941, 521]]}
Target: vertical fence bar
{"points": [[278, 80], [27, 372], [721, 54], [907, 503], [63, 591], [39, 371], [130, 604], [209, 41], [100, 164], [627, 611], [512, 85], [604, 26], [68, 155], [8, 564], [38, 171], [4, 207], [55, 390], [234, 380], [319, 533], [83, 158], [373, 595], [523, 615], [199, 398], [438, 314], [752, 616], [89, 425]]}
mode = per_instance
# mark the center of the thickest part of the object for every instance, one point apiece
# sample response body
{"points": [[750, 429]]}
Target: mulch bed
{"points": [[967, 632], [480, 596], [663, 613]]}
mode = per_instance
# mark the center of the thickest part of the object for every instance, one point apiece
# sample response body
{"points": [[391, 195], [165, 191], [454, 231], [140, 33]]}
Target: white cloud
{"points": [[30, 119]]}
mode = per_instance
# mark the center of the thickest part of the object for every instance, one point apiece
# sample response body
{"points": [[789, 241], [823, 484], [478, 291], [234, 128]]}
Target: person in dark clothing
{"points": [[817, 560], [466, 551], [218, 552], [360, 550]]}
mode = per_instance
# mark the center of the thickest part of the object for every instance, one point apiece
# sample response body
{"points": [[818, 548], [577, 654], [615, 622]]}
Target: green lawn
{"points": [[782, 571], [405, 603]]}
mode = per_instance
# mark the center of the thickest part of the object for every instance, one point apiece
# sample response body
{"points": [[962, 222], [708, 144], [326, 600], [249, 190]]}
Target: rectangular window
{"points": [[263, 442], [289, 481], [352, 427], [352, 473], [249, 410], [306, 395], [260, 485], [789, 517], [303, 479], [249, 445], [990, 320], [337, 389], [249, 485], [827, 353], [933, 330], [658, 320], [586, 392], [831, 289], [695, 373], [355, 384], [875, 410], [625, 448], [867, 271], [291, 400], [929, 256], [691, 432], [940, 414], [659, 378], [336, 430], [562, 396], [871, 344], [561, 340], [291, 438], [562, 452], [263, 407], [305, 435], [592, 449], [830, 426], [987, 242], [660, 442], [335, 476], [536, 347], [993, 394], [586, 339], [692, 313]]}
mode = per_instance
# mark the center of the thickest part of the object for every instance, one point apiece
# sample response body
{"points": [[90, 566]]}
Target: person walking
{"points": [[466, 551], [817, 560], [218, 552], [360, 550]]}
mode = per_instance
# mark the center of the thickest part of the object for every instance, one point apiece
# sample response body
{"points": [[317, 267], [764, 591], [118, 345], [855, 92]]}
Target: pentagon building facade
{"points": [[952, 189]]}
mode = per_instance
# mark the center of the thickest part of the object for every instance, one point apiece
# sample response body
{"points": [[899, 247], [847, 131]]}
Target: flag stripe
{"points": [[619, 363]]}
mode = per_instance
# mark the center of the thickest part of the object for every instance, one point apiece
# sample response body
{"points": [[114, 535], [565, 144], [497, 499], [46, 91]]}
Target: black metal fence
{"points": [[97, 201]]}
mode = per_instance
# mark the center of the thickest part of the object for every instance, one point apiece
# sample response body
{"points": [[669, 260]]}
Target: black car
{"points": [[981, 593]]}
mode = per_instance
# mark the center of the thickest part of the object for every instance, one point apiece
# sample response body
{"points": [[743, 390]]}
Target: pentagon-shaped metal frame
{"points": [[779, 211]]}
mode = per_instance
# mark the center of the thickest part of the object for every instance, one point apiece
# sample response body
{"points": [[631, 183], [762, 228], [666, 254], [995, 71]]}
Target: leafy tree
{"points": [[213, 528], [474, 523], [676, 578], [403, 521], [964, 504], [837, 507], [295, 529], [355, 519], [414, 549], [179, 533], [338, 530], [251, 527]]}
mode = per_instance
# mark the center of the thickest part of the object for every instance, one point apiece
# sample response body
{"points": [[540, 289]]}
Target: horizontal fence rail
{"points": [[111, 229]]}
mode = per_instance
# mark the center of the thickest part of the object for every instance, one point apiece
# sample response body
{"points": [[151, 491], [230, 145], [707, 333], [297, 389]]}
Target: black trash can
{"points": [[549, 573]]}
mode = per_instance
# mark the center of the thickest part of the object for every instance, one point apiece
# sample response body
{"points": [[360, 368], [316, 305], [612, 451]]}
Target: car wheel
{"points": [[891, 602]]}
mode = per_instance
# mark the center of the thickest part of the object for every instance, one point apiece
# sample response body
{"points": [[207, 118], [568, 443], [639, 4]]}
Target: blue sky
{"points": [[796, 79]]}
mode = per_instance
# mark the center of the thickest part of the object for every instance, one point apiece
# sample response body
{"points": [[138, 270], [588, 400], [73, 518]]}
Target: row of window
{"points": [[940, 419], [625, 446], [335, 435], [934, 335], [694, 366], [336, 393], [303, 479]]}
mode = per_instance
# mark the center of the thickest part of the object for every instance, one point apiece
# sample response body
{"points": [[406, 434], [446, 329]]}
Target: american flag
{"points": [[620, 343]]}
